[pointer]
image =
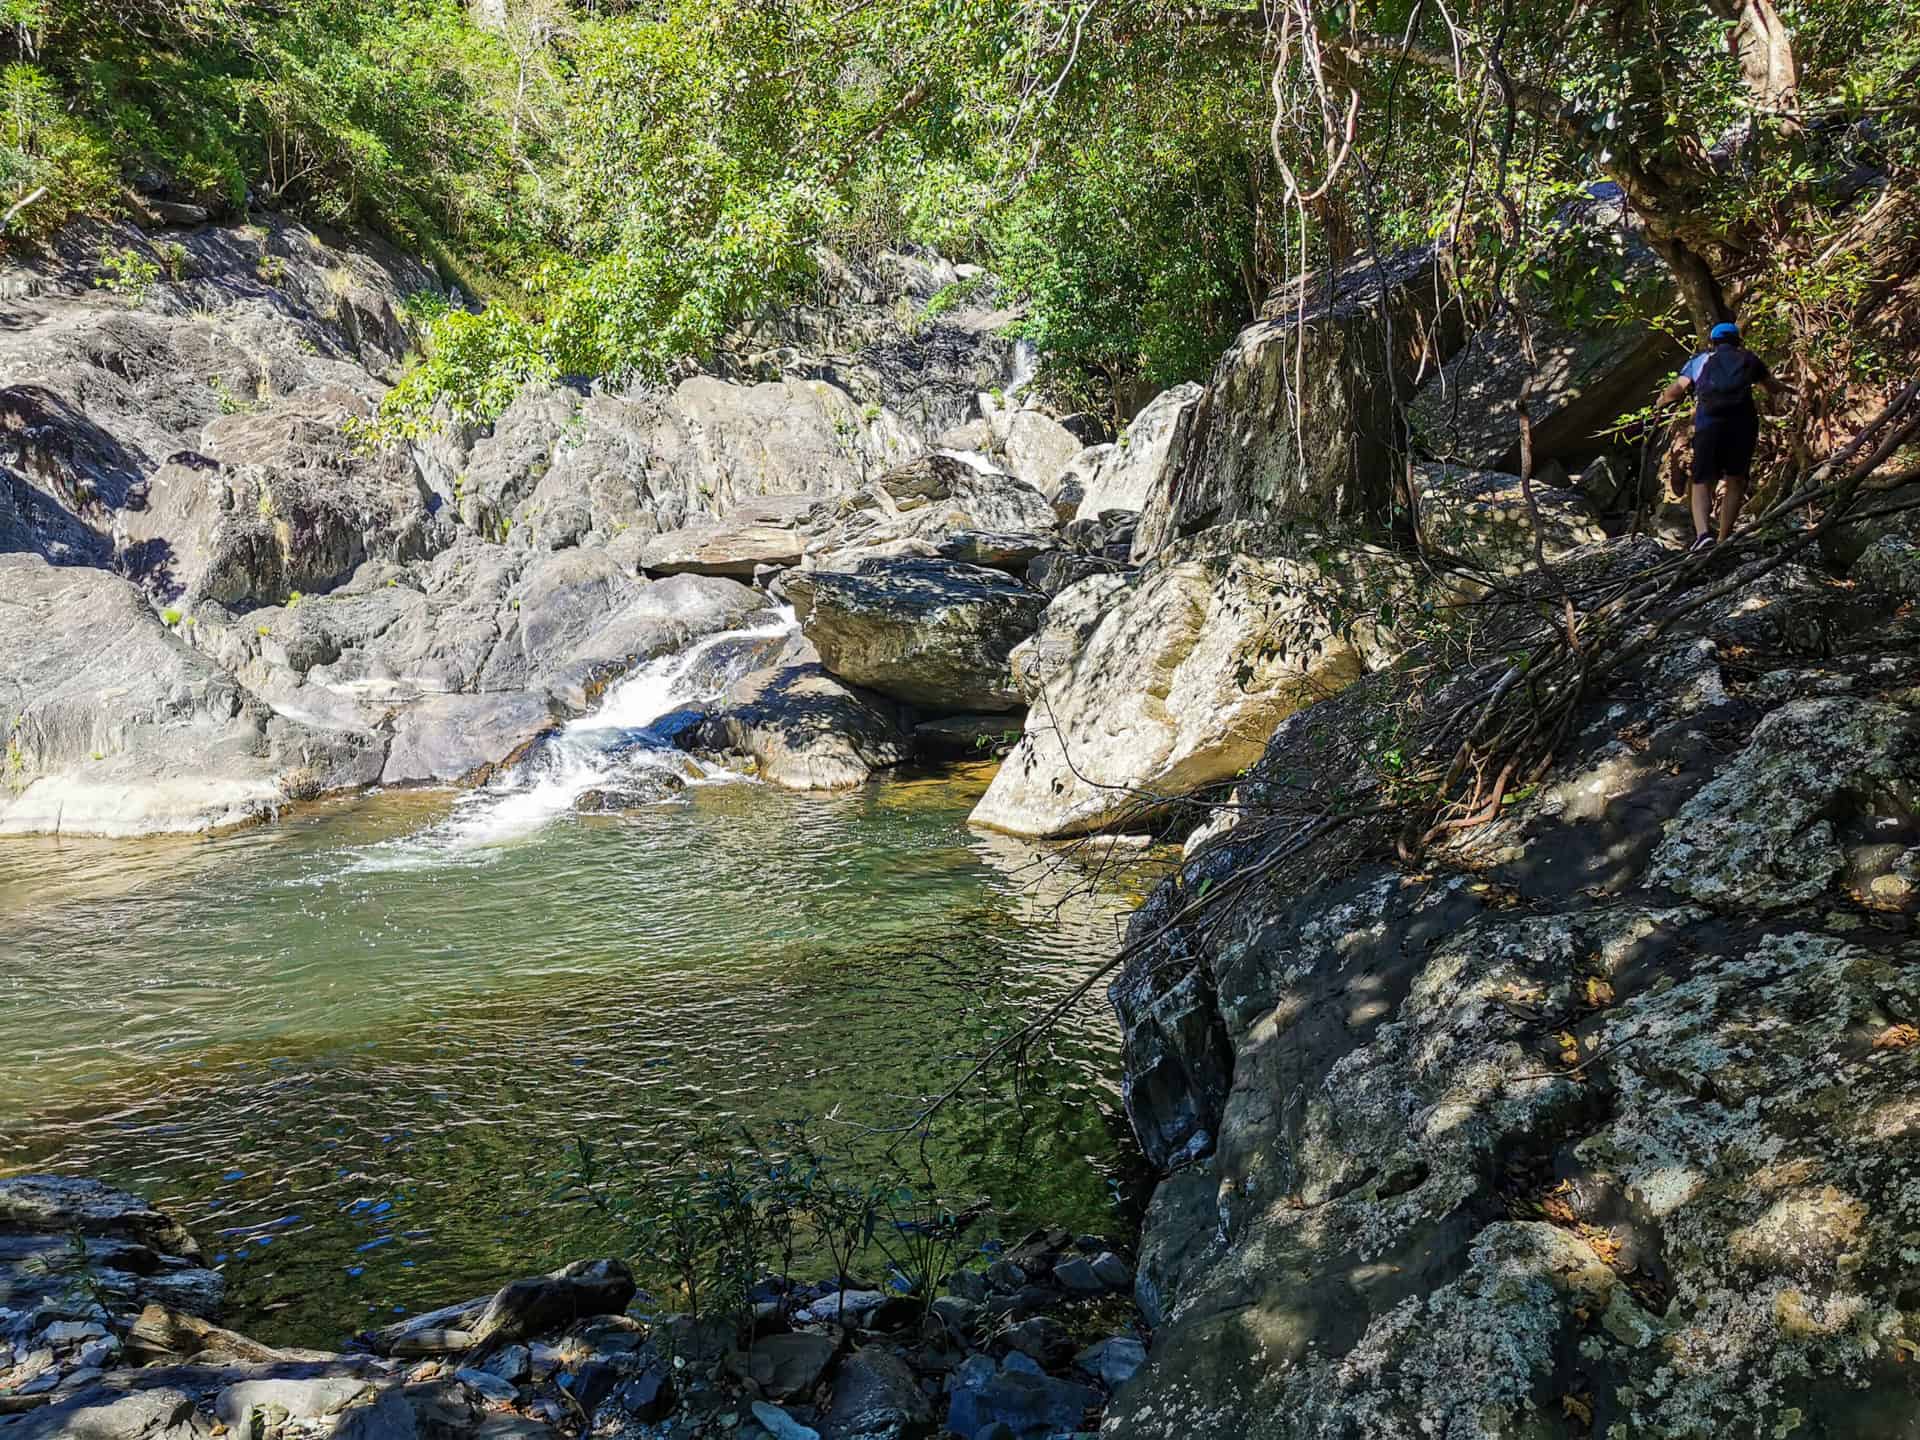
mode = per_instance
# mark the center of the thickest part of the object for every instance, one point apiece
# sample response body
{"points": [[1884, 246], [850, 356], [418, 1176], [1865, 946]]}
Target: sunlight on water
{"points": [[362, 1041]]}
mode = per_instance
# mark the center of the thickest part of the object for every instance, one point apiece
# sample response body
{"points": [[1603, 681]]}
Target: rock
{"points": [[1005, 1277], [788, 1365], [1483, 519], [958, 1315], [842, 1307], [1113, 1361], [1028, 1405], [1076, 1275], [805, 729], [1178, 686], [968, 1285], [780, 1425], [1584, 381], [1112, 1271], [62, 1205], [651, 1396], [527, 1307], [1890, 563], [512, 1363], [1761, 836], [964, 736], [1532, 1106], [1041, 1337], [461, 737], [931, 633], [755, 533], [1266, 444], [242, 1407], [999, 551], [1066, 624], [1017, 1363], [1038, 448], [116, 727], [875, 1397], [488, 1386], [915, 509], [1127, 475], [156, 1414]]}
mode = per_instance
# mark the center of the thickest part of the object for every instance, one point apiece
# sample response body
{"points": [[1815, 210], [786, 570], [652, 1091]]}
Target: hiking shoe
{"points": [[1702, 544]]}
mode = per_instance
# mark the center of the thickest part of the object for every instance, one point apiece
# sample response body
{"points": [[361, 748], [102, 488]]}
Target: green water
{"points": [[352, 1050]]}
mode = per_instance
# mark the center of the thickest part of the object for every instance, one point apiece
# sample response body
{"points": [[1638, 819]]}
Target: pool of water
{"points": [[354, 1050]]}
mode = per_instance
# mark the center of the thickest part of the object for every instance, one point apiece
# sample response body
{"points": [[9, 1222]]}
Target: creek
{"points": [[354, 1050]]}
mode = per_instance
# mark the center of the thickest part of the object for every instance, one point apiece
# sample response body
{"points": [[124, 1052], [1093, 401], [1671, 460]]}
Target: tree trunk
{"points": [[1764, 47]]}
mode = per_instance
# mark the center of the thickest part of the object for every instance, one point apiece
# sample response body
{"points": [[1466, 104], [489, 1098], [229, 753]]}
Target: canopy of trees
{"points": [[624, 181]]}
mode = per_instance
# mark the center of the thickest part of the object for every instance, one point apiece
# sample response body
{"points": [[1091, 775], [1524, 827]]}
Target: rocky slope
{"points": [[220, 597], [1599, 1121]]}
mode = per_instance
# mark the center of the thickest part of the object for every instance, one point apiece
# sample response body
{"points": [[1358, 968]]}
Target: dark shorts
{"points": [[1724, 446]]}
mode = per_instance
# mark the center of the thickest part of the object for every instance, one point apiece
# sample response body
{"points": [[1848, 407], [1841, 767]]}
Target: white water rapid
{"points": [[627, 745]]}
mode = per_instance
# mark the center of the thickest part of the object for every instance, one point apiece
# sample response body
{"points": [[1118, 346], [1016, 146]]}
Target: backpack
{"points": [[1725, 383]]}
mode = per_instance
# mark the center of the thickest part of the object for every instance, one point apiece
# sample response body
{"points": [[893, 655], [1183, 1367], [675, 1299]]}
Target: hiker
{"points": [[1726, 426]]}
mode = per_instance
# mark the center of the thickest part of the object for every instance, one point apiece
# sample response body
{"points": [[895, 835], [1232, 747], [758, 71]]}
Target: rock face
{"points": [[1176, 686], [1126, 475], [932, 633], [1298, 420], [1483, 520], [114, 726], [1585, 1126], [294, 611], [1581, 382]]}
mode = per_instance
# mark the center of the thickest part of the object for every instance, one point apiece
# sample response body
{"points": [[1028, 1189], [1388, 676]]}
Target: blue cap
{"points": [[1726, 333]]}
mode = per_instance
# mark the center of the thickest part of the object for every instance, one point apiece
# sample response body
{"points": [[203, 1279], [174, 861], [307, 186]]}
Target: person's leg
{"points": [[1702, 508], [1731, 503]]}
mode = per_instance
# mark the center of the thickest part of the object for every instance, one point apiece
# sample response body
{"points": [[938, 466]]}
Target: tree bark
{"points": [[1764, 47]]}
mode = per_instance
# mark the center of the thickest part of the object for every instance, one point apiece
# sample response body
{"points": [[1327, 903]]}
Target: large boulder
{"points": [[1582, 381], [1179, 685], [918, 509], [752, 535], [1125, 475], [114, 726], [1520, 1142], [933, 633], [803, 728], [1299, 420], [1483, 521]]}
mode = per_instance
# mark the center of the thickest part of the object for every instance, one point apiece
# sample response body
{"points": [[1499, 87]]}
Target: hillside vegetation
{"points": [[622, 182]]}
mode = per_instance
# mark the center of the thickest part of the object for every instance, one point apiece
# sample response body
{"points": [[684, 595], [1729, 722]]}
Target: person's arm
{"points": [[1675, 393]]}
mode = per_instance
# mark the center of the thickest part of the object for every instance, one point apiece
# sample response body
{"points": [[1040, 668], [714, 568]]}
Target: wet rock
{"points": [[461, 737], [805, 729], [527, 1307], [931, 633], [1113, 1361], [875, 1397]]}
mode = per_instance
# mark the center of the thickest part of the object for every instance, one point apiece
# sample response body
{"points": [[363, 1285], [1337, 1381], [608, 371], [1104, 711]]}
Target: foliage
{"points": [[127, 272]]}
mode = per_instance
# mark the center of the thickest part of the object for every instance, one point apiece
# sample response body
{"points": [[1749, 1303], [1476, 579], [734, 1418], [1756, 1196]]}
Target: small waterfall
{"points": [[1026, 365], [625, 747]]}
